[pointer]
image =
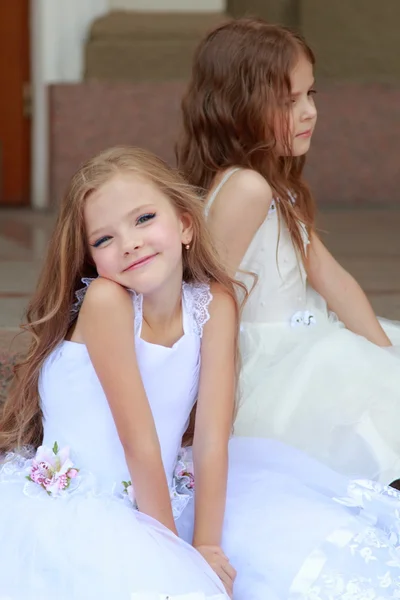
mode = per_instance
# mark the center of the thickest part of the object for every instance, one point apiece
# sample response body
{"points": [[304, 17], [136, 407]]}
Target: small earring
{"points": [[187, 246]]}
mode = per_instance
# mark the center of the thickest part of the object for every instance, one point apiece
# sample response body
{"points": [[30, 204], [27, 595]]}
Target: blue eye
{"points": [[101, 241], [145, 218]]}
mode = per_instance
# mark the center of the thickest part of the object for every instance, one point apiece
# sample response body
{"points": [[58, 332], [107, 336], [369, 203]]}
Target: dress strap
{"points": [[197, 298], [137, 300], [215, 193]]}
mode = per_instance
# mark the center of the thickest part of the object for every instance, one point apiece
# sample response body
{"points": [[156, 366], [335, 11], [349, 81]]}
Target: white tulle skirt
{"points": [[326, 391], [84, 546], [295, 530]]}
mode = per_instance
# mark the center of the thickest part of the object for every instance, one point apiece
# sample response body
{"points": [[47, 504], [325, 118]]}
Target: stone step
{"points": [[134, 47]]}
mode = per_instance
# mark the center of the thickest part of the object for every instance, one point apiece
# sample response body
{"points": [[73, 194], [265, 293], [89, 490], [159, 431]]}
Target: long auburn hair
{"points": [[68, 260], [238, 93]]}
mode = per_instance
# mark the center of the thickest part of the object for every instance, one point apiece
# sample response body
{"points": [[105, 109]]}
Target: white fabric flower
{"points": [[303, 318]]}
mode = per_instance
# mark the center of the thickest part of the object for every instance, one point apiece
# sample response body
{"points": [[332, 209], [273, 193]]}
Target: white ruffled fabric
{"points": [[306, 380], [296, 530], [84, 545], [88, 542], [326, 391]]}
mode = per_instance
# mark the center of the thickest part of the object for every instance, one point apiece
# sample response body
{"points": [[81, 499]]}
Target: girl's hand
{"points": [[220, 565]]}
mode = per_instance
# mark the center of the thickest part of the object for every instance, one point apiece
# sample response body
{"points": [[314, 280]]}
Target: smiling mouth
{"points": [[141, 262]]}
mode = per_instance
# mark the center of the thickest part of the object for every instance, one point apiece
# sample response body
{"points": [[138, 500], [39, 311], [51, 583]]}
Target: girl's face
{"points": [[303, 113], [135, 235]]}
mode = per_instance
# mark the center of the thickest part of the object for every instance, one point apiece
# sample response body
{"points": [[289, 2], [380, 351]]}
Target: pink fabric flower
{"points": [[185, 470], [41, 472], [52, 469]]}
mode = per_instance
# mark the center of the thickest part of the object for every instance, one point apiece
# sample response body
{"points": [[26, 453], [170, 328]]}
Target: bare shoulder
{"points": [[105, 294], [223, 304], [248, 186], [107, 309], [220, 330]]}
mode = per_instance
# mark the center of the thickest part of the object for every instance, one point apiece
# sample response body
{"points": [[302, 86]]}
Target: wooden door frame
{"points": [[15, 126]]}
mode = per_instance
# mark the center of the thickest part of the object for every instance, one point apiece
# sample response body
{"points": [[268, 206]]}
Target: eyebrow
{"points": [[130, 214]]}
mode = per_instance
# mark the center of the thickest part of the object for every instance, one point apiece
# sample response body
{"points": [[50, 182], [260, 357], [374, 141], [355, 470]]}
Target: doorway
{"points": [[15, 103]]}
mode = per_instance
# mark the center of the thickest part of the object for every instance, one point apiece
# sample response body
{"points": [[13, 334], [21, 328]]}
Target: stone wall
{"points": [[354, 155], [355, 151], [89, 117]]}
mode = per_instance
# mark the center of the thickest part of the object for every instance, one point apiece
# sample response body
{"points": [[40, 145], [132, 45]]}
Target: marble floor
{"points": [[365, 241]]}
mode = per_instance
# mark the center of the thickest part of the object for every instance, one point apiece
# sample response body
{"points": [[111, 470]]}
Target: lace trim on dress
{"points": [[79, 295], [197, 298], [138, 306], [371, 544]]}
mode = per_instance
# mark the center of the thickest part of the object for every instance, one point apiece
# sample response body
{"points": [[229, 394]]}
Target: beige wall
{"points": [[354, 40], [170, 5], [58, 33], [275, 11]]}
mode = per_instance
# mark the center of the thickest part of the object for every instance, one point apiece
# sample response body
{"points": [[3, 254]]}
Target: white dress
{"points": [[296, 530], [89, 542], [306, 380]]}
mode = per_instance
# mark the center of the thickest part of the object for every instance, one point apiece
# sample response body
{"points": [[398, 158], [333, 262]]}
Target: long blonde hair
{"points": [[68, 260], [240, 84]]}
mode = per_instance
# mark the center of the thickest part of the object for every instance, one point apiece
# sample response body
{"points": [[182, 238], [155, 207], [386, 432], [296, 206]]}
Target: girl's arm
{"points": [[214, 418], [106, 323], [342, 293], [237, 213]]}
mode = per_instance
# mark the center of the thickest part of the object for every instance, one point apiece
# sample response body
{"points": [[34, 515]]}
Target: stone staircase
{"points": [[135, 47]]}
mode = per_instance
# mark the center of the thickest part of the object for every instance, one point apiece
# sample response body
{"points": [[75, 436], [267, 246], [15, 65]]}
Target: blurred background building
{"points": [[78, 76]]}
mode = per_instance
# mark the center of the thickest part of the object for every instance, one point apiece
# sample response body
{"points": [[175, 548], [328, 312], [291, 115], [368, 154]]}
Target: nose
{"points": [[310, 110], [131, 243]]}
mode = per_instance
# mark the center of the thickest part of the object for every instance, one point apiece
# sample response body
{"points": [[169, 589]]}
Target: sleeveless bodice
{"points": [[76, 412], [280, 293]]}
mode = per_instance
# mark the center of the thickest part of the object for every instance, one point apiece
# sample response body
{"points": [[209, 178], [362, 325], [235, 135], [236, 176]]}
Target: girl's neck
{"points": [[162, 315]]}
